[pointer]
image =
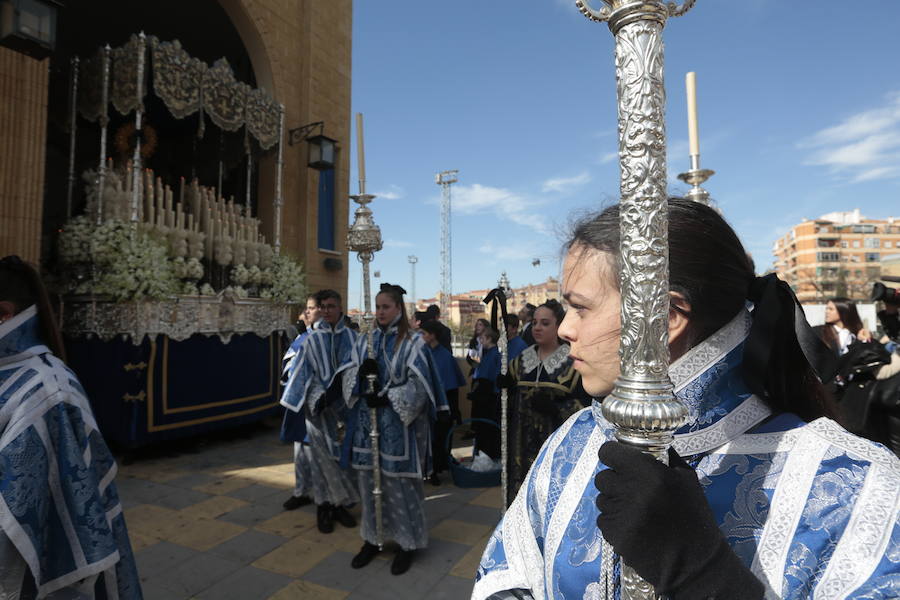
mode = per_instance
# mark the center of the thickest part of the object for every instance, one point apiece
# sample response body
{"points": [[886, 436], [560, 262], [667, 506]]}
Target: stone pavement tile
{"points": [[252, 514], [140, 491], [438, 509], [212, 507], [157, 471], [193, 479], [181, 498], [415, 583], [460, 531], [294, 558], [289, 524], [257, 493], [483, 515], [300, 589], [203, 534], [154, 590], [468, 564], [491, 497], [160, 558], [248, 546], [223, 484], [334, 571], [247, 583], [463, 495], [140, 541], [452, 587], [198, 574], [440, 555], [153, 521], [272, 476]]}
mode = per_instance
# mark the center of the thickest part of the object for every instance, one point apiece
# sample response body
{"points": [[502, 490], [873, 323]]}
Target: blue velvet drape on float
{"points": [[163, 389]]}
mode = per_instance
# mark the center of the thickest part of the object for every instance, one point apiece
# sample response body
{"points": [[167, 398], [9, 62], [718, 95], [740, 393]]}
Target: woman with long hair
{"points": [[763, 494], [406, 396], [842, 325], [62, 531], [545, 390]]}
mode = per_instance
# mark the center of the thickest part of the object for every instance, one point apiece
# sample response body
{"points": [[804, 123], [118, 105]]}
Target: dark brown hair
{"points": [[709, 267], [21, 284], [849, 316], [395, 293]]}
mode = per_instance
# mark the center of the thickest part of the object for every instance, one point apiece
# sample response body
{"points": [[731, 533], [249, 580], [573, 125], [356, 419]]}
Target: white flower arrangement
{"points": [[288, 283], [124, 262], [207, 290], [240, 275]]}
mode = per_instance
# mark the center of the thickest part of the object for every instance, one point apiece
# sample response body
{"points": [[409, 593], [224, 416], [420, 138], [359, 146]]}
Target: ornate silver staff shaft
{"points": [[138, 113], [73, 134], [364, 238], [642, 405], [104, 123], [503, 347]]}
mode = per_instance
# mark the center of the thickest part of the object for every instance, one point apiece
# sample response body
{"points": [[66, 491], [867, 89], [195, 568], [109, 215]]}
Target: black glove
{"points": [[657, 519], [376, 400], [506, 381], [368, 367]]}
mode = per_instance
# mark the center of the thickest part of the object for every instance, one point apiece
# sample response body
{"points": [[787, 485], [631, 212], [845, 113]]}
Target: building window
{"points": [[843, 244], [827, 257], [863, 229], [326, 210], [873, 257], [887, 243], [856, 244], [857, 273], [872, 243]]}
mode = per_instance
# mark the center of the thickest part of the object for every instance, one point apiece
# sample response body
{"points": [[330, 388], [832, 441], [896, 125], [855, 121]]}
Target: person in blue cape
{"points": [[314, 390], [515, 344], [764, 495], [485, 395], [293, 426], [407, 397], [452, 379], [62, 530]]}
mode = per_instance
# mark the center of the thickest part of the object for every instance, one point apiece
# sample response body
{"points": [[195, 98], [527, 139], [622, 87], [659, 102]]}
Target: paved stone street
{"points": [[206, 521]]}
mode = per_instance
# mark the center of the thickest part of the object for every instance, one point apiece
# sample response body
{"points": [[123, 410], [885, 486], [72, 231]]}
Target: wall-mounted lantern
{"points": [[29, 26], [321, 147]]}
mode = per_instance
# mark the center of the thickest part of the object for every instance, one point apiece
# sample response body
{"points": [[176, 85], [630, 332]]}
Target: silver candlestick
{"points": [[694, 178], [364, 238], [642, 406]]}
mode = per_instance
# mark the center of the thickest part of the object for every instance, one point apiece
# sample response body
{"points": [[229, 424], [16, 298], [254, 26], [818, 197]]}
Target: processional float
{"points": [[364, 238], [642, 406]]}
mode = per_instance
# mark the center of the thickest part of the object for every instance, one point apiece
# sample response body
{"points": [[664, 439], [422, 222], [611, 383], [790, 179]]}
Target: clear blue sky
{"points": [[799, 110]]}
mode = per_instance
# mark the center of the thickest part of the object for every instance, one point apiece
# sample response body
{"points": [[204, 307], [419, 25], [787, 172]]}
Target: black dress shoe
{"points": [[401, 562], [325, 518], [365, 556], [434, 479], [295, 502], [343, 517]]}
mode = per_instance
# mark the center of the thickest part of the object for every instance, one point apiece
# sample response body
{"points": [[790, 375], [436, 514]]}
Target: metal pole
{"points": [[138, 113], [73, 134], [413, 259], [503, 347], [642, 406], [278, 198], [104, 123]]}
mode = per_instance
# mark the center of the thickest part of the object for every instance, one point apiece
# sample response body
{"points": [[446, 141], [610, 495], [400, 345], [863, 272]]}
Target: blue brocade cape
{"points": [[58, 503], [811, 509]]}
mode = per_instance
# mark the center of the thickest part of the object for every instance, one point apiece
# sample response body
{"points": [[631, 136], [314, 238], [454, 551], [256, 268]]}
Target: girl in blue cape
{"points": [[62, 530], [408, 394], [764, 496]]}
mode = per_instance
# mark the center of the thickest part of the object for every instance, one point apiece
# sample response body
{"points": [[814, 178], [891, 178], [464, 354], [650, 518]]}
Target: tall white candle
{"points": [[360, 153], [690, 82]]}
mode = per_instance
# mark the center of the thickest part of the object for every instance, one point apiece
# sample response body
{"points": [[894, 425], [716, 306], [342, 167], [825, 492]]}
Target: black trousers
{"points": [[486, 405]]}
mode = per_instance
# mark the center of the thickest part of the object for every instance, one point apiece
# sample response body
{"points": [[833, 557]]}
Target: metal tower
{"points": [[413, 259], [445, 179]]}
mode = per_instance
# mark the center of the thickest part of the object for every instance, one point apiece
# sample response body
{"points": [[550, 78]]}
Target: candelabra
{"points": [[642, 406]]}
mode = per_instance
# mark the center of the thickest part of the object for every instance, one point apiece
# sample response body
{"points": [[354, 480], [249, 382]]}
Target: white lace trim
{"points": [[701, 357], [570, 498], [865, 538], [530, 359], [788, 502], [749, 413]]}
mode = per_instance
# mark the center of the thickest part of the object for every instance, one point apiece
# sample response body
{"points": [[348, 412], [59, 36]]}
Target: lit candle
{"points": [[690, 81], [360, 153]]}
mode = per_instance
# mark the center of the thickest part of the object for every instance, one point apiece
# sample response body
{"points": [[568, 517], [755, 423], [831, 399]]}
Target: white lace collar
{"points": [[551, 364]]}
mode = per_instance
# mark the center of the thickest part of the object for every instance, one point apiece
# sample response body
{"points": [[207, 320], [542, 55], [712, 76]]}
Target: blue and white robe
{"points": [[60, 515], [313, 391], [415, 392], [811, 509]]}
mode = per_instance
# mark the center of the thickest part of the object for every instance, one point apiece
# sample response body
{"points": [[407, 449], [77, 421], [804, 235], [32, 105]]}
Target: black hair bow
{"points": [[390, 287], [495, 297], [777, 308]]}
